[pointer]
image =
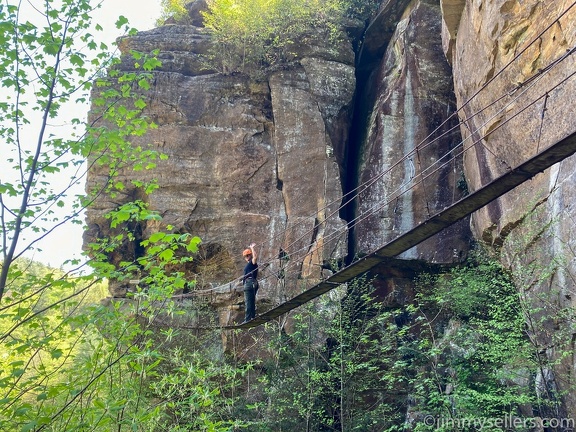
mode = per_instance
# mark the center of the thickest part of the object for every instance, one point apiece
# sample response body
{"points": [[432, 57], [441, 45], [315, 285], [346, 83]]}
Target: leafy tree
{"points": [[49, 65], [472, 357], [199, 393], [252, 36], [338, 370], [458, 355], [172, 9], [68, 362], [76, 365]]}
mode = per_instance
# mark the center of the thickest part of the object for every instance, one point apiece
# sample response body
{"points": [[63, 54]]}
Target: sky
{"points": [[142, 14], [66, 242]]}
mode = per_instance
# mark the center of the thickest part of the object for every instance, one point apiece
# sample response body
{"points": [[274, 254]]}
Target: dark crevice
{"points": [[363, 102]]}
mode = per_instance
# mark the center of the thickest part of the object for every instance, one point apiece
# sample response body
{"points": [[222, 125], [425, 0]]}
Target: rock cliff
{"points": [[248, 161], [438, 98], [513, 77], [411, 114]]}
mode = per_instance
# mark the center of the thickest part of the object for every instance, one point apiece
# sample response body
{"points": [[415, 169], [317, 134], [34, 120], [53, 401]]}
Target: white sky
{"points": [[66, 242], [142, 14]]}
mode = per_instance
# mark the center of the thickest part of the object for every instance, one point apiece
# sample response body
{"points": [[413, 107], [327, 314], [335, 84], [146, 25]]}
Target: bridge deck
{"points": [[467, 205]]}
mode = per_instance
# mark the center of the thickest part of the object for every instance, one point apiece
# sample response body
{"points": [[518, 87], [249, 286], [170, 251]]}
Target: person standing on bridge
{"points": [[250, 282]]}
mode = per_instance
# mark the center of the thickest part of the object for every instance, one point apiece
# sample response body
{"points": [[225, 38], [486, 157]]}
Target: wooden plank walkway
{"points": [[467, 205]]}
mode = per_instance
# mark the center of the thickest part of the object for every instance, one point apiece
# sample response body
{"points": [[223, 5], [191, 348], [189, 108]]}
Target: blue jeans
{"points": [[250, 287]]}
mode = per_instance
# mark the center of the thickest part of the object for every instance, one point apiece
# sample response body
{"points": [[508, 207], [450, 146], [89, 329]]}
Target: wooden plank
{"points": [[462, 208]]}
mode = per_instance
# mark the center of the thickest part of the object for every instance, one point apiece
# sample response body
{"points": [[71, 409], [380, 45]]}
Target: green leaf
{"points": [[151, 63], [77, 60], [51, 48], [139, 103], [122, 20], [156, 237], [166, 255], [56, 353], [23, 409], [8, 188], [192, 246], [29, 426]]}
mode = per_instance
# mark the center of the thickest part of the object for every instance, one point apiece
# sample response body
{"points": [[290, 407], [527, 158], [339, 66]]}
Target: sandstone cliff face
{"points": [[249, 161], [410, 167], [268, 161], [514, 85]]}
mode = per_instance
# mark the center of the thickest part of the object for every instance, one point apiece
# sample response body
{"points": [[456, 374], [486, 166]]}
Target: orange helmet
{"points": [[246, 252]]}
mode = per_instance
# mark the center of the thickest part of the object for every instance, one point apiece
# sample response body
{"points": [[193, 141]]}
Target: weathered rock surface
{"points": [[413, 116], [249, 161], [513, 77], [267, 161]]}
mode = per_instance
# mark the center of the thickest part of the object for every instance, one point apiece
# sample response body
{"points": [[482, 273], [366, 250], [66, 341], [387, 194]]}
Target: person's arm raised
{"points": [[254, 254]]}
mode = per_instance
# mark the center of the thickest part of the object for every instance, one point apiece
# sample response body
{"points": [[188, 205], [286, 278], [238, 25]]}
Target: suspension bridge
{"points": [[520, 98], [433, 225]]}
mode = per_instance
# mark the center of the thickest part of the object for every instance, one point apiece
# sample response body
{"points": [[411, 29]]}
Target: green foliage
{"points": [[459, 354], [470, 291], [198, 393], [172, 9], [68, 361], [332, 372], [360, 9], [71, 364], [473, 358], [49, 65], [252, 36], [42, 331]]}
